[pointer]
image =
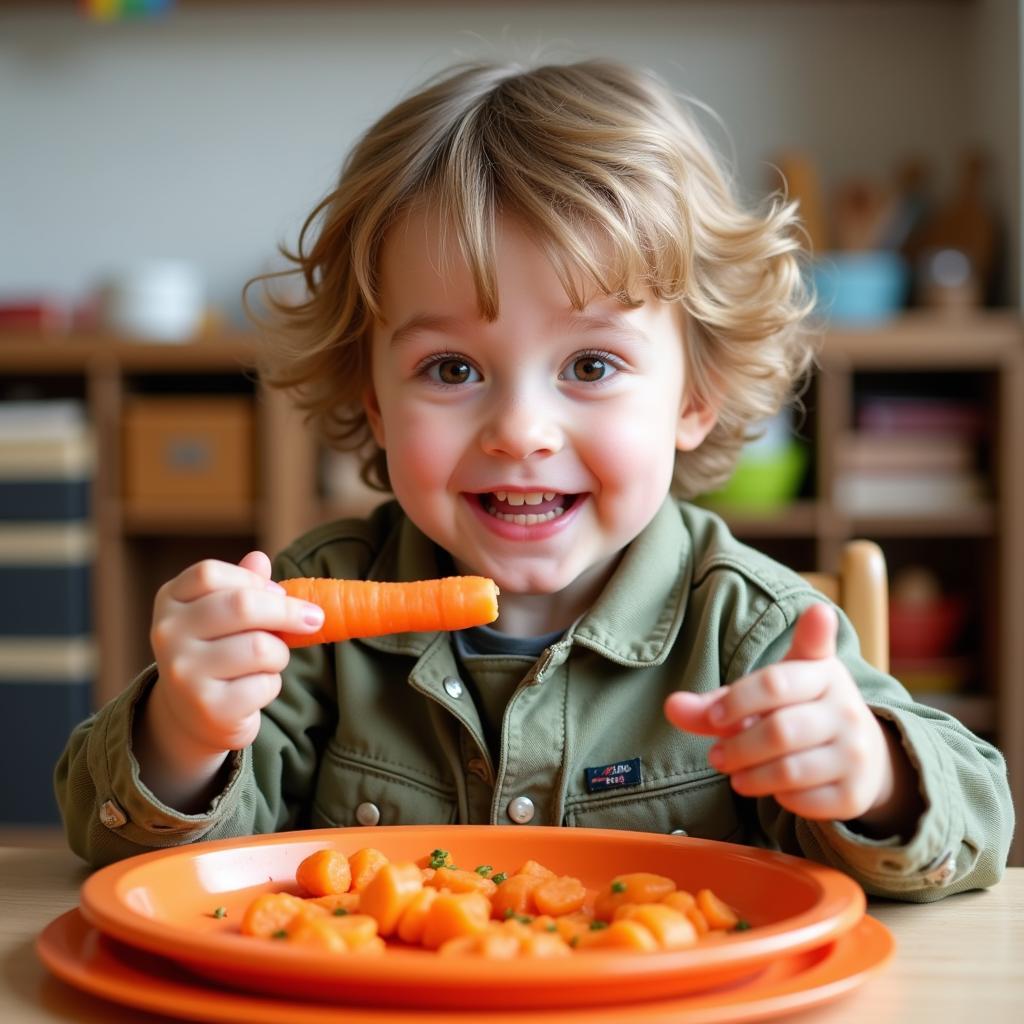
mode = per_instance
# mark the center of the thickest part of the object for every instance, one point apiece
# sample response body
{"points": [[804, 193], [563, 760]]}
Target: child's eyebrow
{"points": [[604, 322], [424, 322]]}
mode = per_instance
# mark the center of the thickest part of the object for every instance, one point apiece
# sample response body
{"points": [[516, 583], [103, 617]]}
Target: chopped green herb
{"points": [[499, 878], [439, 859], [551, 927], [452, 867], [618, 886], [483, 870], [741, 926], [280, 934], [220, 912], [596, 926], [574, 941], [524, 918], [509, 913], [340, 912]]}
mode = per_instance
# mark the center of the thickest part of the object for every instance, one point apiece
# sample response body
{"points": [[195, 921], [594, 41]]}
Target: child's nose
{"points": [[519, 428]]}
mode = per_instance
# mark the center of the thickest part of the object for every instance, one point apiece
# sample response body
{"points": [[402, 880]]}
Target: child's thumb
{"points": [[257, 562], [815, 634]]}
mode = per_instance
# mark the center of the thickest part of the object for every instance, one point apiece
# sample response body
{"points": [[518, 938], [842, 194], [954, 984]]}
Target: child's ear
{"points": [[695, 423], [373, 415]]}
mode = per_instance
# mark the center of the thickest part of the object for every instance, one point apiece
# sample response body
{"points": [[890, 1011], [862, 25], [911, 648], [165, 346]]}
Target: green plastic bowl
{"points": [[762, 482]]}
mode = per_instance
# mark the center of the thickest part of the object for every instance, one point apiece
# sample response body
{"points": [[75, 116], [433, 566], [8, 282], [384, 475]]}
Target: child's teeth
{"points": [[500, 495], [515, 499], [527, 519], [534, 498], [549, 495]]}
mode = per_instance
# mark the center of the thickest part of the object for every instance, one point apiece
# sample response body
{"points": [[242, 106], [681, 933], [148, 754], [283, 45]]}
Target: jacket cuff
{"points": [[124, 803], [928, 859]]}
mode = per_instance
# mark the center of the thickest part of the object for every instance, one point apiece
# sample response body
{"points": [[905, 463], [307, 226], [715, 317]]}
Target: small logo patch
{"points": [[614, 776]]}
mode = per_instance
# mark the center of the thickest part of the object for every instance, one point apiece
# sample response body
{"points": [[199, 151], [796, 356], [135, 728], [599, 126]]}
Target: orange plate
{"points": [[89, 961], [163, 902]]}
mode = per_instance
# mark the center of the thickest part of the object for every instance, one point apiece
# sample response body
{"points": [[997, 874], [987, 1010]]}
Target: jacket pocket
{"points": [[348, 782], [703, 807]]}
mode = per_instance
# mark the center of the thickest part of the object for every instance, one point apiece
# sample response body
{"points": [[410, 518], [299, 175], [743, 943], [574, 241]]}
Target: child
{"points": [[536, 304]]}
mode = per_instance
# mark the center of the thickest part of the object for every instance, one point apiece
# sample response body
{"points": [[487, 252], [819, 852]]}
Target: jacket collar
{"points": [[634, 621]]}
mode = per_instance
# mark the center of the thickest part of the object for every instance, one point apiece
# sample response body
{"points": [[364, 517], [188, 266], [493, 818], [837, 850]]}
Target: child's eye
{"points": [[591, 367], [450, 370]]}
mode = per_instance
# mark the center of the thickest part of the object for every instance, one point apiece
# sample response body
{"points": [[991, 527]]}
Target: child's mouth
{"points": [[526, 508]]}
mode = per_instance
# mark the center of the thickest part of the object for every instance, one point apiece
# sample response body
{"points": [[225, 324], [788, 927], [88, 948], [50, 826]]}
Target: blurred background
{"points": [[156, 153]]}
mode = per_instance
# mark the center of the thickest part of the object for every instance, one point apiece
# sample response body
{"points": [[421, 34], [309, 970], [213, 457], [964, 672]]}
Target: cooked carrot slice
{"points": [[454, 914], [531, 867], [427, 874], [324, 873], [458, 880], [346, 901], [414, 919], [515, 896], [543, 945], [671, 928], [270, 913], [317, 932], [718, 914], [698, 920], [620, 935], [559, 895], [680, 900], [309, 911], [358, 930], [571, 926], [364, 864], [636, 887], [388, 893]]}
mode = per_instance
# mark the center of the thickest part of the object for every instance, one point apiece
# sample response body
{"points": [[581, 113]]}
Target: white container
{"points": [[161, 301]]}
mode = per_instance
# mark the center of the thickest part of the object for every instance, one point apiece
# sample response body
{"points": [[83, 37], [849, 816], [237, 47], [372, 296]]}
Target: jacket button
{"points": [[452, 686], [111, 815], [521, 810], [367, 814], [679, 832]]}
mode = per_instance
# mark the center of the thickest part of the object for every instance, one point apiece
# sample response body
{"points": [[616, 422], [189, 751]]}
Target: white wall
{"points": [[210, 133]]}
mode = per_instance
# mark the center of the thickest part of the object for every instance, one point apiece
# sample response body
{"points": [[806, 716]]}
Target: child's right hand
{"points": [[218, 659]]}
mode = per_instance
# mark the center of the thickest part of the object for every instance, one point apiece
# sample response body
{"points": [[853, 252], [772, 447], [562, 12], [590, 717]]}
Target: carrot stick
{"points": [[355, 608]]}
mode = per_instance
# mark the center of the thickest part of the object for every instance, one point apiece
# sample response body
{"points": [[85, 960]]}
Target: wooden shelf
{"points": [[972, 522], [799, 519], [191, 522]]}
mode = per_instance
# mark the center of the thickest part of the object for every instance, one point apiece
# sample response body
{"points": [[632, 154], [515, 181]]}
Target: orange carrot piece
{"points": [[364, 864], [453, 914], [389, 893], [636, 887], [532, 867], [319, 934], [559, 895], [620, 935], [346, 901], [671, 928], [324, 873], [460, 880], [515, 896], [355, 608], [543, 945], [414, 918], [359, 931], [680, 900], [698, 920], [573, 926], [718, 914], [270, 913]]}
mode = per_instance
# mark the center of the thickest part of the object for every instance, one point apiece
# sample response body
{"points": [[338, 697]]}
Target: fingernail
{"points": [[312, 615], [717, 714], [271, 585]]}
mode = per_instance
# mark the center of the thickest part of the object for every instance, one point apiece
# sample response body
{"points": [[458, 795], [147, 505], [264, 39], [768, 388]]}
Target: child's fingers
{"points": [[835, 801], [807, 769], [792, 682], [689, 712], [814, 636], [257, 562], [211, 575], [239, 610], [785, 731], [241, 654]]}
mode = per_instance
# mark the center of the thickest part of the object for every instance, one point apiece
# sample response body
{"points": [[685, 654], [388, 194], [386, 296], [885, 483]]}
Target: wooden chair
{"points": [[861, 589]]}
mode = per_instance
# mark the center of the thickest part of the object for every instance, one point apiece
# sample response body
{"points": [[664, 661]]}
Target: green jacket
{"points": [[381, 729]]}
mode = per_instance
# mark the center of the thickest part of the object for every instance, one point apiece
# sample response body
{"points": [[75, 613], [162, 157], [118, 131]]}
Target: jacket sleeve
{"points": [[109, 813], [962, 838]]}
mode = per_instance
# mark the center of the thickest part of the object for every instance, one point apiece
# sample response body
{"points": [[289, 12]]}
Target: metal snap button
{"points": [[452, 686], [679, 832], [111, 815], [521, 810], [941, 873], [368, 814]]}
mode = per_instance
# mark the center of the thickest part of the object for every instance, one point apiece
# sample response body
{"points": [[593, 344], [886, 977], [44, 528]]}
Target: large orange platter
{"points": [[163, 902]]}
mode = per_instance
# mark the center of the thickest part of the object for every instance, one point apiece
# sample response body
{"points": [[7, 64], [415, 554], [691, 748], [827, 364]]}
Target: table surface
{"points": [[961, 959]]}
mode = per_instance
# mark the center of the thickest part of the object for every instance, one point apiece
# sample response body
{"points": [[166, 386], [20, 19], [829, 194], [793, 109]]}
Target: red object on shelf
{"points": [[925, 629]]}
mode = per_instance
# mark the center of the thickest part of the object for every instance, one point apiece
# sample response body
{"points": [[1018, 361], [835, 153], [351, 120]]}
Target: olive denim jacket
{"points": [[380, 729]]}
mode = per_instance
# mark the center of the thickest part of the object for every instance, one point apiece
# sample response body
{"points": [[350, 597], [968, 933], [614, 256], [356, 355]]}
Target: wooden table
{"points": [[960, 960]]}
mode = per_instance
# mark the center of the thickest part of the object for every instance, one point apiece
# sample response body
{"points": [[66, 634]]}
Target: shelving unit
{"points": [[136, 552]]}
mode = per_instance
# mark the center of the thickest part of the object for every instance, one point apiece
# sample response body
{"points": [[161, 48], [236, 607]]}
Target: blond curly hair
{"points": [[565, 149]]}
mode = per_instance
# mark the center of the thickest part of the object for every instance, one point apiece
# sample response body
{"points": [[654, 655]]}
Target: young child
{"points": [[535, 304]]}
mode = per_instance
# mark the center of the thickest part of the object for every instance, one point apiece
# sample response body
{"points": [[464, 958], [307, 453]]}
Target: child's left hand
{"points": [[798, 731]]}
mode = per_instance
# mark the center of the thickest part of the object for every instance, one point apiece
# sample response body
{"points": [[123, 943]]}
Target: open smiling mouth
{"points": [[526, 508]]}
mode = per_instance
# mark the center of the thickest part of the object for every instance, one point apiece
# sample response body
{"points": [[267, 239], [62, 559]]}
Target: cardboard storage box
{"points": [[188, 452]]}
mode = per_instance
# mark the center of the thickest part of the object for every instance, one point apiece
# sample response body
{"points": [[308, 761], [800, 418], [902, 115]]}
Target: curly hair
{"points": [[565, 149]]}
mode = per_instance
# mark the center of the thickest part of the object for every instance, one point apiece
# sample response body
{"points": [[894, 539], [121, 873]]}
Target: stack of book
{"points": [[46, 553], [911, 456]]}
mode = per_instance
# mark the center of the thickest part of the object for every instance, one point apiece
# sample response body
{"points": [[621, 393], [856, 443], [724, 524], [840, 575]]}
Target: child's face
{"points": [[534, 448]]}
